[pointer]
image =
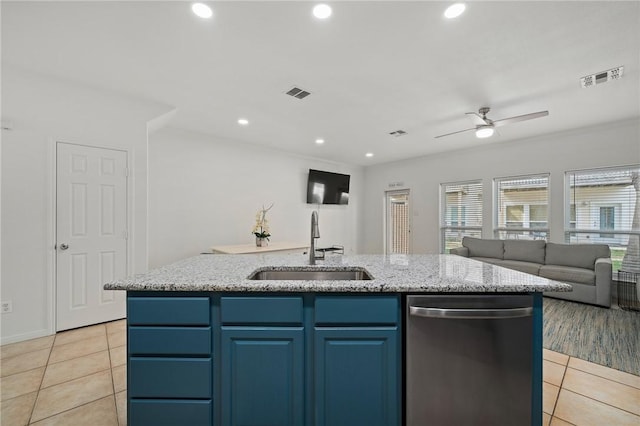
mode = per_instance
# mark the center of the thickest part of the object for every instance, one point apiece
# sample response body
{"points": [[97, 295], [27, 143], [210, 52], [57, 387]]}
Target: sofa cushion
{"points": [[576, 255], [460, 251], [528, 267], [525, 251], [568, 274], [484, 248], [491, 260]]}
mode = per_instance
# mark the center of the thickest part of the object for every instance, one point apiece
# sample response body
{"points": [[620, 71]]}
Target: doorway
{"points": [[398, 229], [91, 234]]}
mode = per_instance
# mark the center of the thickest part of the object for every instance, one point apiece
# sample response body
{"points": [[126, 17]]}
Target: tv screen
{"points": [[327, 188]]}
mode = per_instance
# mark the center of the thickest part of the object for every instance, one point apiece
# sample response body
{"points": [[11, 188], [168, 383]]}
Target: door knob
{"points": [[64, 246]]}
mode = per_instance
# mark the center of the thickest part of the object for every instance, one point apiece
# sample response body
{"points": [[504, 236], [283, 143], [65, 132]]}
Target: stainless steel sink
{"points": [[308, 275]]}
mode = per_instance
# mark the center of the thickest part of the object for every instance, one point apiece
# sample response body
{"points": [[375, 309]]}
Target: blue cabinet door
{"points": [[262, 376], [357, 376]]}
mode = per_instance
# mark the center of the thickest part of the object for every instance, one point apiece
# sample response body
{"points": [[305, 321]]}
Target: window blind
{"points": [[460, 213]]}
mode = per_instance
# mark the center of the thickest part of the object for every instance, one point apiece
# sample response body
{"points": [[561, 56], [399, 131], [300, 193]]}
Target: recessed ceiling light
{"points": [[369, 154], [322, 11], [243, 121], [484, 132], [202, 10], [454, 10], [319, 141]]}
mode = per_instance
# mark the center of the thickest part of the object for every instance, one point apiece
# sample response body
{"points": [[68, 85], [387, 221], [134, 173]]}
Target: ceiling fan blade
{"points": [[510, 120], [449, 134], [477, 119]]}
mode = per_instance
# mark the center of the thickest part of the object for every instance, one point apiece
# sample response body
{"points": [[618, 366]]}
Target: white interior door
{"points": [[91, 233], [397, 232]]}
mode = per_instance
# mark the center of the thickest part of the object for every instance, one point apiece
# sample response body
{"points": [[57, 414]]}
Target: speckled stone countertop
{"points": [[393, 273]]}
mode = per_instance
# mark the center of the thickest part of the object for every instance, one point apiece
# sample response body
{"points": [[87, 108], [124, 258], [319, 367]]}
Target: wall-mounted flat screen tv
{"points": [[327, 188]]}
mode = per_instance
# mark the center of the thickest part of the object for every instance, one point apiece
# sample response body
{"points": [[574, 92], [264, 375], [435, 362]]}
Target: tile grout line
{"points": [[603, 377], [46, 366], [67, 410], [67, 381], [604, 403], [564, 373], [113, 385]]}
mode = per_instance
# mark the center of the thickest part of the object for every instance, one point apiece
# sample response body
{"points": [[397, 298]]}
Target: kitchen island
{"points": [[207, 345]]}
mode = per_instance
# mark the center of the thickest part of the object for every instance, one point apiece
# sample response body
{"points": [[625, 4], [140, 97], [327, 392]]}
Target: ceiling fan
{"points": [[485, 126]]}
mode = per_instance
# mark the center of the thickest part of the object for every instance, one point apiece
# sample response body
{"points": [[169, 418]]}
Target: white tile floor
{"points": [[78, 377]]}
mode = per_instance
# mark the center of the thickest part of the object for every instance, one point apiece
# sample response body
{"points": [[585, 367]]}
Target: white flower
{"points": [[261, 228]]}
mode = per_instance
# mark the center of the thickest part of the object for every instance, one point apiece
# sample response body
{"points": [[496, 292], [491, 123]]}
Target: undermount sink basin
{"points": [[308, 275]]}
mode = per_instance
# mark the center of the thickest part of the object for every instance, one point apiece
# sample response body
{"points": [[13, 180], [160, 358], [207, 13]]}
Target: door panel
{"points": [[356, 376], [91, 232], [262, 376], [397, 224]]}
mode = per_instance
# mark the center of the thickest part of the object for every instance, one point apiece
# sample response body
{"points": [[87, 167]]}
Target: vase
{"points": [[261, 242]]}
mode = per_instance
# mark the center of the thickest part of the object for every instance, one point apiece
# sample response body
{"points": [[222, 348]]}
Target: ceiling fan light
{"points": [[454, 10], [484, 132], [322, 11], [202, 10]]}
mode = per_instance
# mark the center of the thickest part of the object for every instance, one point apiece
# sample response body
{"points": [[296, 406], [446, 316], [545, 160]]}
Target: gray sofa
{"points": [[587, 267]]}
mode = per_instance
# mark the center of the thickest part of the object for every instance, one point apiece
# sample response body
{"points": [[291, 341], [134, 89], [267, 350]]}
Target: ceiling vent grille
{"points": [[398, 133], [601, 77], [297, 92]]}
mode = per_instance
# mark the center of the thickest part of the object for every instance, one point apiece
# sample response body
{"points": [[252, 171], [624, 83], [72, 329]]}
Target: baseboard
{"points": [[5, 340]]}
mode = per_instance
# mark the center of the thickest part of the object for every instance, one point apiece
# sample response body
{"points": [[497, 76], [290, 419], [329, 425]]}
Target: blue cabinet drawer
{"points": [[168, 311], [261, 310], [169, 377], [170, 412], [169, 340], [357, 310]]}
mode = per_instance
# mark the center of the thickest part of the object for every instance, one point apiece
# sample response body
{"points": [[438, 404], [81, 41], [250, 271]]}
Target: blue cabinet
{"points": [[169, 360], [264, 359], [356, 376], [169, 412], [262, 376], [357, 354]]}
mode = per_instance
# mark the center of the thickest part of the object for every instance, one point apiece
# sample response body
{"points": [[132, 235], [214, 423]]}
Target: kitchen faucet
{"points": [[315, 233]]}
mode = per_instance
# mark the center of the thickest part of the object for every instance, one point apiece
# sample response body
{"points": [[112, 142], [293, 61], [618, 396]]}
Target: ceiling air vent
{"points": [[297, 92], [398, 133], [601, 77]]}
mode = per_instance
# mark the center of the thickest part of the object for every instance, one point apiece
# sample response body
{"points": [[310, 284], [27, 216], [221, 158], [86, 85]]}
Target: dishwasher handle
{"points": [[450, 313]]}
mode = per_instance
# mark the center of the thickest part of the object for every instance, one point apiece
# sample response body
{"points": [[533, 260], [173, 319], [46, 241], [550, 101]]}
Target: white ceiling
{"points": [[372, 68]]}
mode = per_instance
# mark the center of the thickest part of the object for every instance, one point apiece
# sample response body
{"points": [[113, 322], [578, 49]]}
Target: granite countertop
{"points": [[392, 273]]}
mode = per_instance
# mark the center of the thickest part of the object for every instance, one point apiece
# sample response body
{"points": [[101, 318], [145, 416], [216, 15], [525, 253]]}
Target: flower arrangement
{"points": [[261, 228]]}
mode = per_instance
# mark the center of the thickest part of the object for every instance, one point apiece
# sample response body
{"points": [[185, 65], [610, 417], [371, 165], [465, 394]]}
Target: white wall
{"points": [[204, 191], [45, 110], [603, 146]]}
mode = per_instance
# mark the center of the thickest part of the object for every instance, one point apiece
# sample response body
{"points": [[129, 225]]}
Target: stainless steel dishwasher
{"points": [[469, 360]]}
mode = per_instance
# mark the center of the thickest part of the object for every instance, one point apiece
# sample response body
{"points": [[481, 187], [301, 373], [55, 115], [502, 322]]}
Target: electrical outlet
{"points": [[6, 307]]}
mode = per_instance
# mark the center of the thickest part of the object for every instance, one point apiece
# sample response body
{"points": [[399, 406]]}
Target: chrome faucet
{"points": [[315, 233]]}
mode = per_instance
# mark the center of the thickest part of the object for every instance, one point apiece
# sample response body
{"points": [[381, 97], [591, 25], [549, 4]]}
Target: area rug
{"points": [[609, 337]]}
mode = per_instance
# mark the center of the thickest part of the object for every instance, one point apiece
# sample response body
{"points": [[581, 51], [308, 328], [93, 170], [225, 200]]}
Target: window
{"points": [[522, 207], [457, 215], [461, 213], [572, 216], [515, 216], [601, 207], [538, 216], [607, 220]]}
